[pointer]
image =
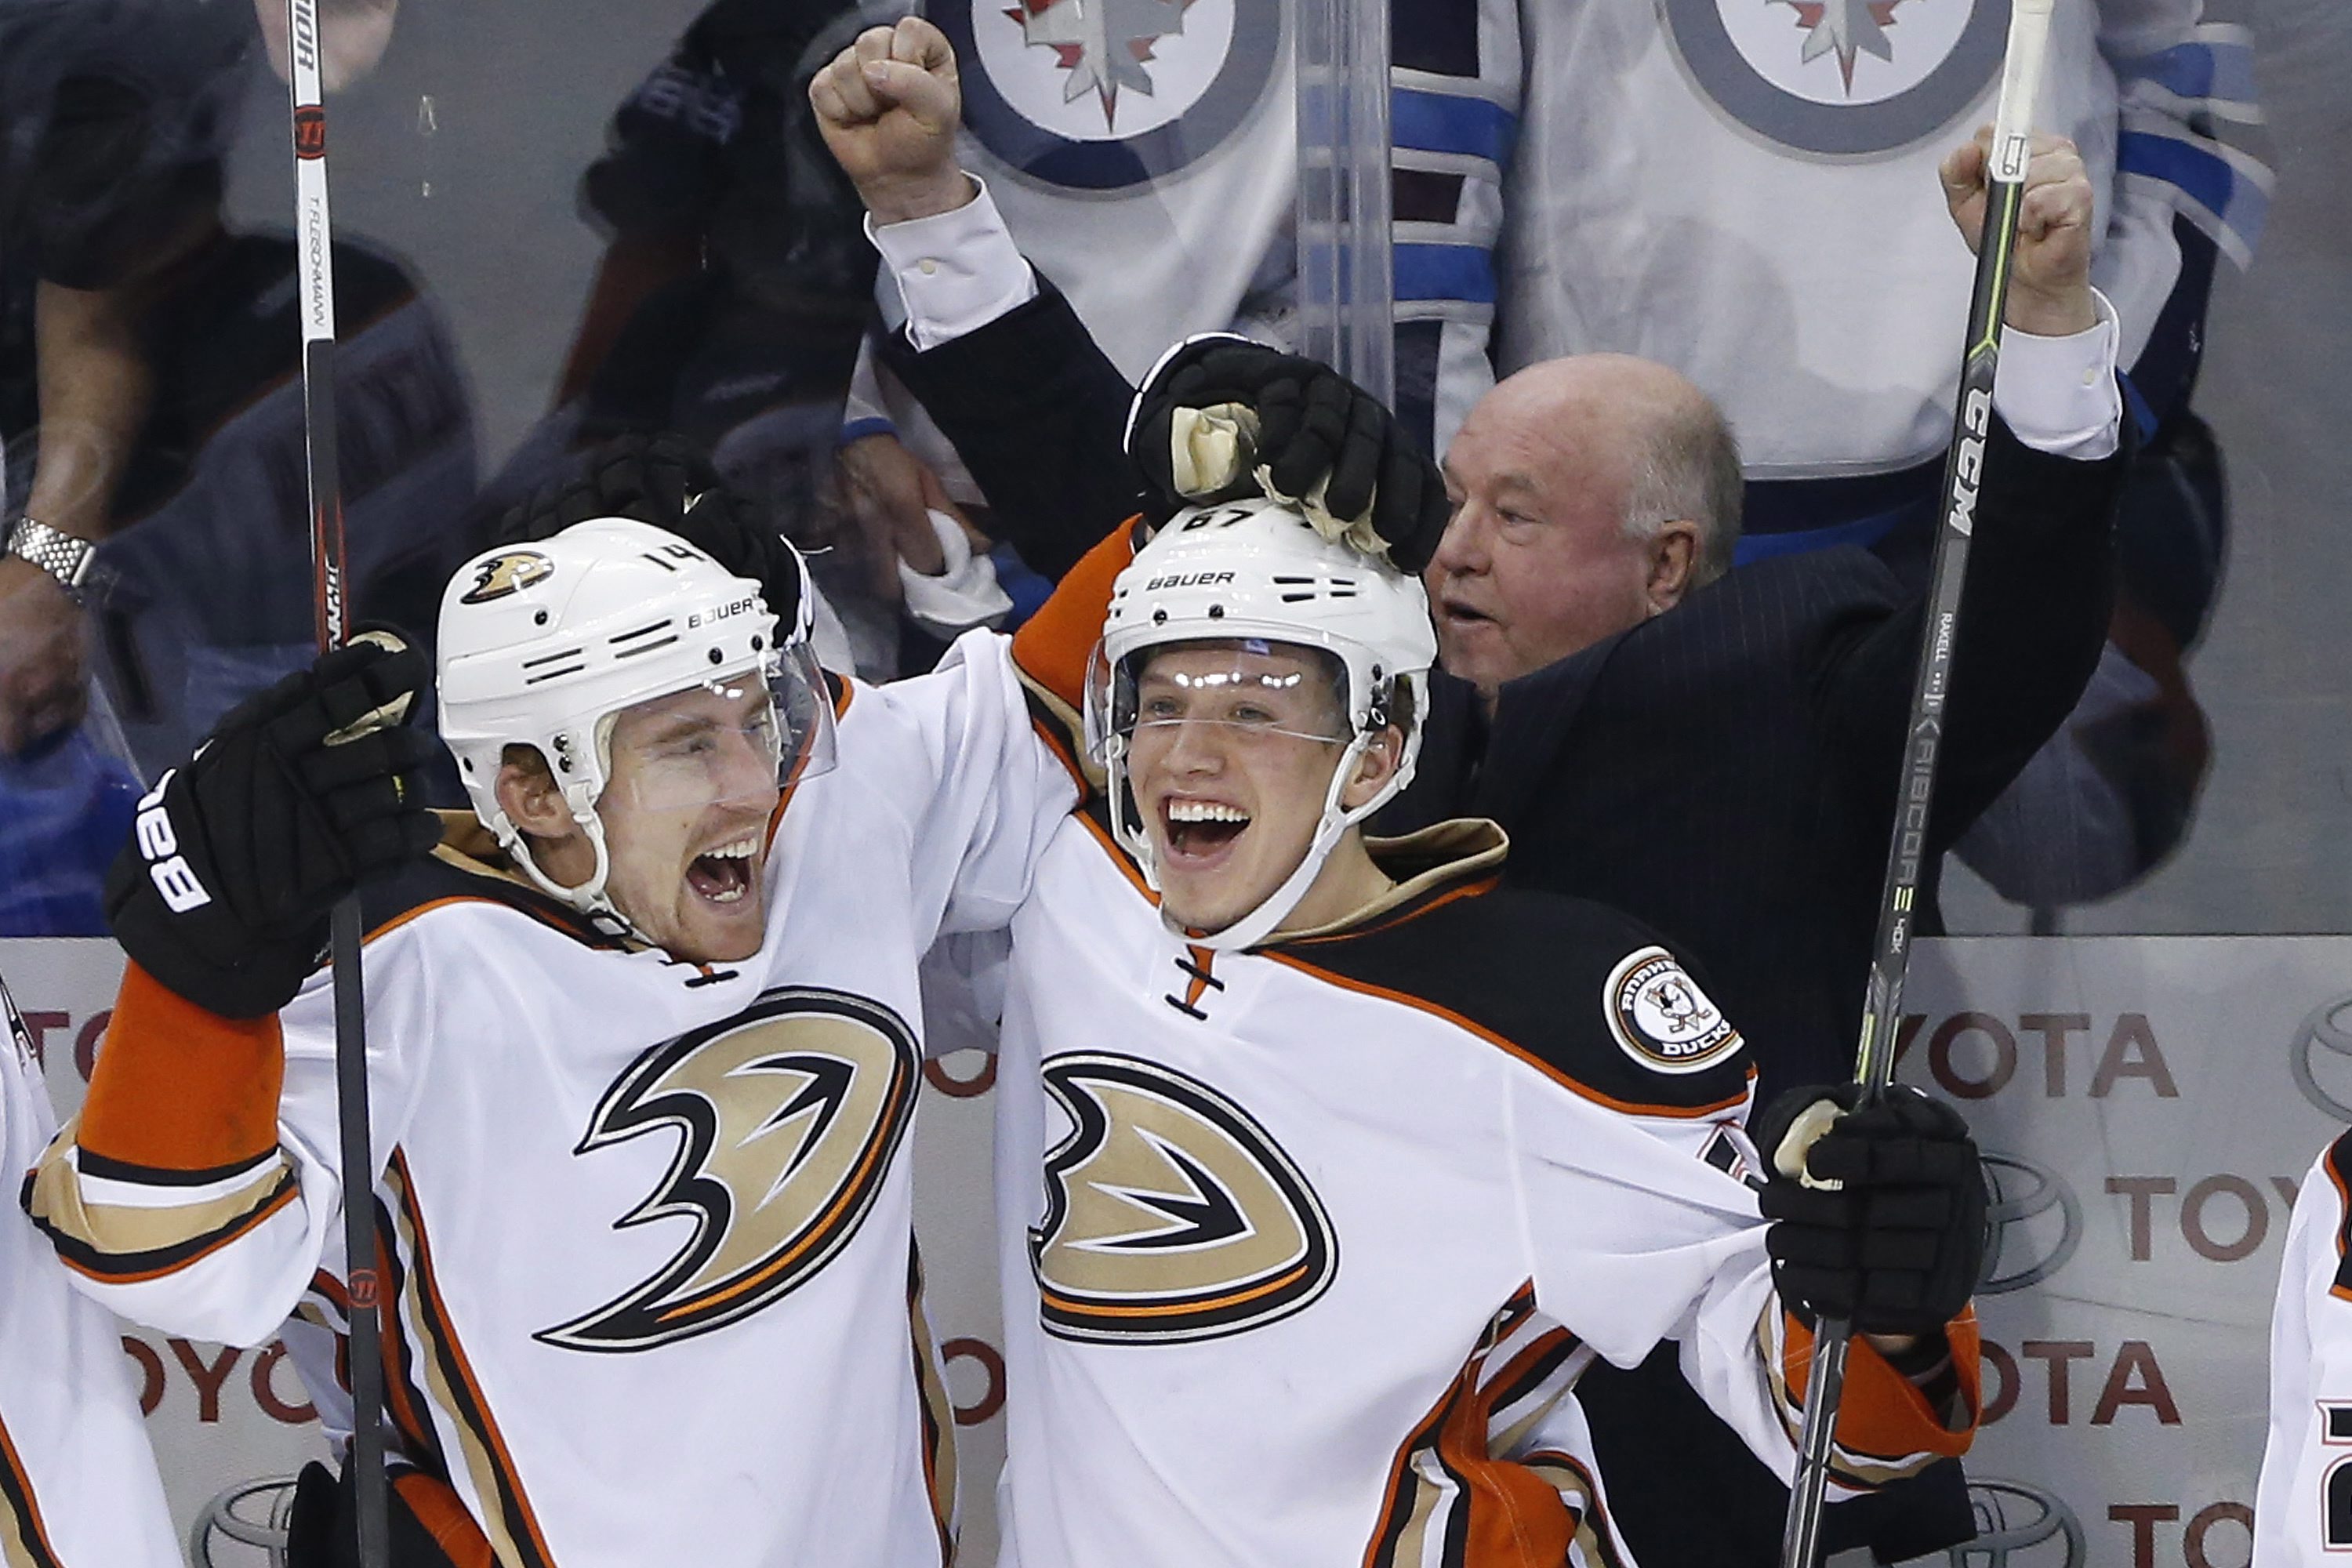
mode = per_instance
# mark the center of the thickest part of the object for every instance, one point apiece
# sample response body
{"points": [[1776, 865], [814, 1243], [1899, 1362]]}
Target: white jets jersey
{"points": [[2302, 1505], [1145, 157], [1748, 195], [1305, 1246], [645, 1224], [77, 1482]]}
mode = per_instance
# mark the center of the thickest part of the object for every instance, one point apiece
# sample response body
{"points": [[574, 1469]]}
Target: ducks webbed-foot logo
{"points": [[1170, 1214], [788, 1115]]}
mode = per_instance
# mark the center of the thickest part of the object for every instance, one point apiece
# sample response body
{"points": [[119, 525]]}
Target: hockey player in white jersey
{"points": [[1327, 1165], [2303, 1504], [642, 1048], [78, 1481]]}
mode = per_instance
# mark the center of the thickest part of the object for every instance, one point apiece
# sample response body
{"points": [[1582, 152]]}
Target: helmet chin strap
{"points": [[1259, 924], [589, 898]]}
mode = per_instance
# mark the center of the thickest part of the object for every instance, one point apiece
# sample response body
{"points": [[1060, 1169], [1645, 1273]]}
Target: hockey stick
{"points": [[2021, 84], [313, 232]]}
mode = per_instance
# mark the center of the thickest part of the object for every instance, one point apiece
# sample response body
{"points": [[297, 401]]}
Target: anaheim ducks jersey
{"points": [[645, 1225], [2303, 1504], [77, 1482], [1305, 1246]]}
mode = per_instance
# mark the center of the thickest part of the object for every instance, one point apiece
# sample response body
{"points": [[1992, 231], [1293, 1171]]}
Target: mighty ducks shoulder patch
{"points": [[1660, 1016]]}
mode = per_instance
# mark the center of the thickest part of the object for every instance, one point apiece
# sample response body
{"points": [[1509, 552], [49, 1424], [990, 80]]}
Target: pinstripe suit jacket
{"points": [[1726, 771]]}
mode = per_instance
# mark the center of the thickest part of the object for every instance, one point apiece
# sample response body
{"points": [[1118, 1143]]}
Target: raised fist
{"points": [[887, 107], [2049, 287]]}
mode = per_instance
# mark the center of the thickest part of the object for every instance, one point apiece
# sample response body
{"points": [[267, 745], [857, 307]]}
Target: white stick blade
{"points": [[2021, 86]]}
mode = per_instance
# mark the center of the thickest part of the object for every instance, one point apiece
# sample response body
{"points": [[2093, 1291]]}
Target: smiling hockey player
{"points": [[1327, 1165], [641, 1054]]}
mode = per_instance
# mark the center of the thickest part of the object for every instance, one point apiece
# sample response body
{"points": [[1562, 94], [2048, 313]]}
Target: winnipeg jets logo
{"points": [[1170, 1213], [1845, 28], [1102, 44], [1108, 95], [788, 1115], [1841, 77]]}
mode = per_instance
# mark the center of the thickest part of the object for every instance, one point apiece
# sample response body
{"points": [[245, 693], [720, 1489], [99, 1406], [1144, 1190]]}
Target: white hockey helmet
{"points": [[1257, 570], [545, 644]]}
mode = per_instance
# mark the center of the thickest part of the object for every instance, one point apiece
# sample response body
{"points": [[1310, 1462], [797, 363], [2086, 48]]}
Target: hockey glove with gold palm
{"points": [[238, 855], [1221, 418], [1879, 1213]]}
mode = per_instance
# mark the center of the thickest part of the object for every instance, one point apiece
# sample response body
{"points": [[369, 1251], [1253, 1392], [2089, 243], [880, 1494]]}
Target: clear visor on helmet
{"points": [[735, 740], [1242, 689]]}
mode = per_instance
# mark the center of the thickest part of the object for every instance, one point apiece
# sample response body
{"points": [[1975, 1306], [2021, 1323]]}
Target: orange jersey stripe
{"points": [[1514, 1517], [443, 1514], [477, 1414], [1053, 647], [181, 1088], [1464, 890], [1235, 1299], [287, 1192], [1880, 1414], [2339, 1289]]}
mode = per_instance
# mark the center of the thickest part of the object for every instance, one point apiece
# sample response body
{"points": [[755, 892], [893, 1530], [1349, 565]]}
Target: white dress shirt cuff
{"points": [[956, 271], [2059, 395]]}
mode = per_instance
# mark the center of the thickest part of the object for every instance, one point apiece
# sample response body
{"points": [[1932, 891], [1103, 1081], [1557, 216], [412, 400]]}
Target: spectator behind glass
{"points": [[1155, 186], [728, 310], [1750, 204], [150, 399]]}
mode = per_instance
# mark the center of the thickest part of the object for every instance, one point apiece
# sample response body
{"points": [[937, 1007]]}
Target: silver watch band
{"points": [[60, 555]]}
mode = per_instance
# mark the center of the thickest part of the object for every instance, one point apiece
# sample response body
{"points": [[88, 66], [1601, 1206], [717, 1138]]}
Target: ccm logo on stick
{"points": [[1976, 418], [160, 846]]}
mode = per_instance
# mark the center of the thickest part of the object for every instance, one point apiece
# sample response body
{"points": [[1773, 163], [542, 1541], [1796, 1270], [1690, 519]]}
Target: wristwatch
{"points": [[60, 555]]}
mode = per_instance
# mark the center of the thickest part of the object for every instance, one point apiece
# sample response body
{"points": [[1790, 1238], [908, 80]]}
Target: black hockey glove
{"points": [[1313, 424], [1897, 1245], [238, 855], [663, 480], [322, 1526]]}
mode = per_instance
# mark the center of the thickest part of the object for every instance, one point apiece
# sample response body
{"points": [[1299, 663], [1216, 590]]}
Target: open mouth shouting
{"points": [[1199, 833], [722, 875]]}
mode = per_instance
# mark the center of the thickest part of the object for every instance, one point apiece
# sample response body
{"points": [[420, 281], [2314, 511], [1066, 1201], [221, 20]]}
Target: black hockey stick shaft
{"points": [[2029, 29], [313, 234]]}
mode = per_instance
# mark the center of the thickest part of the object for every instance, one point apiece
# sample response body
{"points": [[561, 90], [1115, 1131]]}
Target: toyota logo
{"points": [[2320, 1041], [252, 1513], [2032, 1226], [2019, 1526]]}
